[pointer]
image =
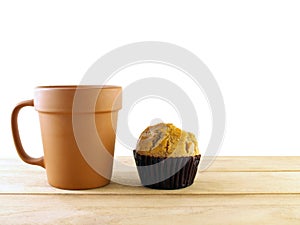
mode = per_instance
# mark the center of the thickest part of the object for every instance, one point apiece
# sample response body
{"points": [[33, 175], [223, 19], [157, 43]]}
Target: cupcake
{"points": [[166, 157]]}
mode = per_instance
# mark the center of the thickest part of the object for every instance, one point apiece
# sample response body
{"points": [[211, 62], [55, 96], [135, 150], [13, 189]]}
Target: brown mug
{"points": [[78, 127]]}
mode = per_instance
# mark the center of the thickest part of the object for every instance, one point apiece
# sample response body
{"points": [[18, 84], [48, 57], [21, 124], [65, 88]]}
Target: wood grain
{"points": [[234, 190], [221, 163], [131, 209], [244, 164], [256, 163], [34, 181]]}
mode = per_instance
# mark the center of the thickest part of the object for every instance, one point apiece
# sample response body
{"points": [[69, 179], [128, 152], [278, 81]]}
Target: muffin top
{"points": [[166, 140]]}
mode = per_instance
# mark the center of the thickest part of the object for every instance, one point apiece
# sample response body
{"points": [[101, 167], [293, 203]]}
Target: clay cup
{"points": [[78, 127]]}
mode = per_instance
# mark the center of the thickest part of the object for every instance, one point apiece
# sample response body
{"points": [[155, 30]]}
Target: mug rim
{"points": [[73, 87], [85, 98]]}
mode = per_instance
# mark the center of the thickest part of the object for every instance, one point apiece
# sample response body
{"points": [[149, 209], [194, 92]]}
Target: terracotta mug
{"points": [[78, 125]]}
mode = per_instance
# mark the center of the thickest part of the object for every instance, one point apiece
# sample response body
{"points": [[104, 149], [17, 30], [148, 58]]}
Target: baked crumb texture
{"points": [[166, 140]]}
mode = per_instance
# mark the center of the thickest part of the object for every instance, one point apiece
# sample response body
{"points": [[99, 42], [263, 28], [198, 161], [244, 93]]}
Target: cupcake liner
{"points": [[166, 173]]}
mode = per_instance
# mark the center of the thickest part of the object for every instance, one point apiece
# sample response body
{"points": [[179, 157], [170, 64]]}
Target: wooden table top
{"points": [[234, 190]]}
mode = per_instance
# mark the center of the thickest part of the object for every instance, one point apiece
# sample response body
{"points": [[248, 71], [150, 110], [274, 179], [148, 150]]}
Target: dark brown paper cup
{"points": [[166, 173]]}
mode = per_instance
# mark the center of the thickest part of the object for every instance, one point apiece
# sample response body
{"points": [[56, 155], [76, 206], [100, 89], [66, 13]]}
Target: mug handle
{"points": [[16, 136]]}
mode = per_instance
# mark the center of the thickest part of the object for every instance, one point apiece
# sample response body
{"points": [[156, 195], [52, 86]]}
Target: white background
{"points": [[251, 47]]}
